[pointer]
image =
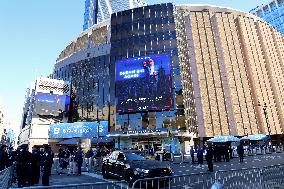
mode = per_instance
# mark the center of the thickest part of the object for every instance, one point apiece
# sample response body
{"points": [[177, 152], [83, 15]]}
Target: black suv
{"points": [[130, 167]]}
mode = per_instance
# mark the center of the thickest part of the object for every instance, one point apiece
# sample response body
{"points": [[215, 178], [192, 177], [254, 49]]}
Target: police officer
{"points": [[35, 164], [79, 159], [4, 158], [209, 157], [23, 166], [47, 161]]}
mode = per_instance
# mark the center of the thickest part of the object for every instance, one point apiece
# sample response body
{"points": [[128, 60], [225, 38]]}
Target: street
{"points": [[257, 161]]}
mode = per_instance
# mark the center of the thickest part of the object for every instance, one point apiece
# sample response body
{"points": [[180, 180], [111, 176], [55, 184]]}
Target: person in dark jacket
{"points": [[35, 166], [240, 150], [191, 151], [47, 162], [209, 157], [23, 166], [200, 155], [90, 153], [4, 158], [79, 159]]}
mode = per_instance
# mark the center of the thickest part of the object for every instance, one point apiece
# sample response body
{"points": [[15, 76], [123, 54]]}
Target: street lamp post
{"points": [[264, 107]]}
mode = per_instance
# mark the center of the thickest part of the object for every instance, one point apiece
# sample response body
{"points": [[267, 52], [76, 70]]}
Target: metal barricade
{"points": [[200, 181], [240, 179], [98, 185], [177, 159], [6, 177], [186, 158], [273, 176]]}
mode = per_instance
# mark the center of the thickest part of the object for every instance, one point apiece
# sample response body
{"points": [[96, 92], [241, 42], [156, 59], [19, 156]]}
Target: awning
{"points": [[101, 140], [71, 141], [224, 139], [257, 137]]}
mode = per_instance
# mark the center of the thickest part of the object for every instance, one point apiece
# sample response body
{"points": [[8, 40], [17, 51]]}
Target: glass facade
{"points": [[92, 91], [97, 11], [148, 31], [273, 13]]}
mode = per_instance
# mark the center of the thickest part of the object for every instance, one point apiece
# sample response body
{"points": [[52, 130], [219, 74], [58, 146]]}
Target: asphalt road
{"points": [[257, 161]]}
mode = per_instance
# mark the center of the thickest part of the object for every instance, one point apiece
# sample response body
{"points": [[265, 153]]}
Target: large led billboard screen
{"points": [[144, 84], [51, 104]]}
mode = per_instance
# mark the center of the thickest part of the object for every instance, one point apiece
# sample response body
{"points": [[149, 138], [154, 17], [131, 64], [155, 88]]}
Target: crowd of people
{"points": [[217, 152], [71, 161], [30, 166], [27, 165]]}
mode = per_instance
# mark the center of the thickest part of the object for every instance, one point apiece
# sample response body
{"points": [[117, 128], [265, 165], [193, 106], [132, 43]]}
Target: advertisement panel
{"points": [[144, 84], [51, 104], [78, 130]]}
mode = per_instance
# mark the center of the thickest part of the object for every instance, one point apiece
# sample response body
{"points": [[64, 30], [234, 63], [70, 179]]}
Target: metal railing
{"points": [[273, 176], [240, 179], [200, 181], [251, 178], [6, 177]]}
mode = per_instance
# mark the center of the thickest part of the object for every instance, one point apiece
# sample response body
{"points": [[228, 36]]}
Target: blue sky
{"points": [[33, 33]]}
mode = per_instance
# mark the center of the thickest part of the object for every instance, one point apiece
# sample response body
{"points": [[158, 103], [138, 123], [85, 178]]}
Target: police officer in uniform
{"points": [[35, 164], [47, 161], [23, 166]]}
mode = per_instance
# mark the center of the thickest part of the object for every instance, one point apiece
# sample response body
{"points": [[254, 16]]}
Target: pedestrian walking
{"points": [[79, 159], [240, 150], [98, 159], [209, 157], [63, 161], [191, 151], [35, 166], [89, 159], [200, 155], [4, 158], [23, 166], [47, 164], [72, 163]]}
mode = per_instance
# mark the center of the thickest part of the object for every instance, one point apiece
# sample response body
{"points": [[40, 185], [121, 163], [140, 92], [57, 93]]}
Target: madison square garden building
{"points": [[201, 70]]}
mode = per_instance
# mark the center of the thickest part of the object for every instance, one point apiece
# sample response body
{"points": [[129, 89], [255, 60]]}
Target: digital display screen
{"points": [[144, 84], [51, 104]]}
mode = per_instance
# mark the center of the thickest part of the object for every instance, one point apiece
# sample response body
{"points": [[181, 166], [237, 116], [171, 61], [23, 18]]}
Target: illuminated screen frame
{"points": [[143, 84], [48, 104]]}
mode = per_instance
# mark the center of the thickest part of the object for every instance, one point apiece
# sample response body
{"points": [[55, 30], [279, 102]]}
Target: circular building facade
{"points": [[203, 70]]}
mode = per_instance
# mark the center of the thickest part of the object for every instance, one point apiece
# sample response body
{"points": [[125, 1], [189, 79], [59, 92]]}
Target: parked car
{"points": [[131, 167]]}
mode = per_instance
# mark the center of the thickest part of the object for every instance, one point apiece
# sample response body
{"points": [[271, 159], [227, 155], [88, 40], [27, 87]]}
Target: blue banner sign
{"points": [[78, 129]]}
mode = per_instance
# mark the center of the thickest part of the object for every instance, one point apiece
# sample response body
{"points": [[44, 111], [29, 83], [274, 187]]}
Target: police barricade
{"points": [[278, 149], [273, 176], [186, 158], [200, 181], [98, 185], [240, 179], [259, 151], [177, 159], [6, 177]]}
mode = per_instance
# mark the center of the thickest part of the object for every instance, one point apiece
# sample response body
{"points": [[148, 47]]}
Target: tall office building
{"points": [[97, 11], [273, 13]]}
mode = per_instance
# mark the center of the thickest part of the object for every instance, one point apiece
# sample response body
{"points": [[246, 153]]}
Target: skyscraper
{"points": [[273, 13], [97, 11]]}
